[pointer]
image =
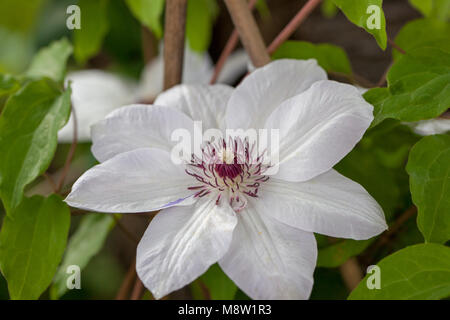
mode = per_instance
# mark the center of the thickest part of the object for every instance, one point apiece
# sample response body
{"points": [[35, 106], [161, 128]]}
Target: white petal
{"points": [[206, 103], [95, 93], [268, 259], [330, 204], [318, 128], [137, 126], [182, 243], [137, 181], [197, 69], [265, 88]]}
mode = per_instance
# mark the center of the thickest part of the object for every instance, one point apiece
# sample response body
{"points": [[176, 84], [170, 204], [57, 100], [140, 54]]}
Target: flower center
{"points": [[232, 169]]}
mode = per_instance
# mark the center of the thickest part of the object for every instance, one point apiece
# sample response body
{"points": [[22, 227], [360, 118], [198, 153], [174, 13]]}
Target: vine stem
{"points": [[351, 273], [293, 25], [71, 152], [228, 49], [283, 36], [174, 29], [248, 31], [127, 282], [138, 290]]}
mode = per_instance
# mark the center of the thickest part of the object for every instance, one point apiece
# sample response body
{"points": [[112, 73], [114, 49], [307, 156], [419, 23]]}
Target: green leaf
{"points": [[417, 87], [357, 12], [199, 22], [214, 284], [421, 33], [331, 58], [336, 254], [149, 13], [8, 84], [83, 245], [32, 242], [329, 9], [429, 170], [377, 163], [439, 9], [29, 125], [51, 61], [94, 26], [414, 273], [20, 15]]}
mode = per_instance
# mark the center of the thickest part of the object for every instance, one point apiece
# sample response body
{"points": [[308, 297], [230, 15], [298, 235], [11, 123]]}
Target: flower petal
{"points": [[268, 259], [137, 126], [137, 181], [182, 243], [330, 204], [318, 128], [265, 88], [95, 93], [204, 103]]}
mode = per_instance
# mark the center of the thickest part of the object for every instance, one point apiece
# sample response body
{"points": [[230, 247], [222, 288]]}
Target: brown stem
{"points": [[71, 152], [138, 290], [383, 78], [351, 273], [293, 25], [174, 29], [127, 233], [127, 282], [394, 45], [149, 50], [393, 229], [50, 182], [228, 49], [248, 32]]}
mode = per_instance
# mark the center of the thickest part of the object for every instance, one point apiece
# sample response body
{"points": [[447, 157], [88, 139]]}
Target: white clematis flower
{"points": [[96, 93], [259, 228]]}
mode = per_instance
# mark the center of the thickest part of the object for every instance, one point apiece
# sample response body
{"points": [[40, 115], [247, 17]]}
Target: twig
{"points": [[351, 273], [148, 44], [383, 78], [127, 233], [293, 25], [174, 29], [394, 45], [71, 152], [248, 32], [127, 282], [228, 49], [138, 290], [50, 182], [393, 229]]}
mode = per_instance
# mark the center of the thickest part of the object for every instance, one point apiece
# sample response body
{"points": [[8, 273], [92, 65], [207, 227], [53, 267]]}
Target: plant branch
{"points": [[149, 50], [228, 49], [293, 25], [124, 229], [351, 273], [248, 32], [71, 152], [127, 282], [396, 46], [174, 29], [138, 290]]}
